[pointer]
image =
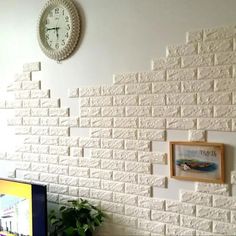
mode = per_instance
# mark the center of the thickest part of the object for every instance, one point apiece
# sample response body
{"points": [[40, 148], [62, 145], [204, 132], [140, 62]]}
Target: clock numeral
{"points": [[66, 35], [63, 42], [50, 14], [57, 45], [63, 12], [56, 10], [68, 27], [67, 19]]}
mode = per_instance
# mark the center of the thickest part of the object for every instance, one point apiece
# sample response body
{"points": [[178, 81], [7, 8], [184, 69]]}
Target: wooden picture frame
{"points": [[197, 161]]}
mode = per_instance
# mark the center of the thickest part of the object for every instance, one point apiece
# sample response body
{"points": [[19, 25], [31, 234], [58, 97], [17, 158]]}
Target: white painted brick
{"points": [[233, 177], [140, 145], [152, 180], [90, 91], [233, 217], [151, 123], [43, 149], [181, 74], [228, 58], [64, 160], [34, 66], [31, 103], [181, 50], [197, 111], [152, 99], [49, 178], [68, 180], [78, 171], [89, 183], [39, 112], [194, 36], [23, 148], [165, 217], [23, 130], [225, 85], [224, 202], [50, 103], [14, 157], [125, 100], [215, 72], [166, 87], [84, 192], [85, 122], [56, 188], [214, 124], [112, 165], [90, 111], [14, 86], [59, 131], [213, 214], [76, 152], [152, 226], [53, 197], [22, 112], [25, 94], [54, 112], [112, 186], [14, 121], [196, 198], [28, 175], [143, 88], [73, 93], [101, 101], [23, 165], [219, 98], [31, 139], [70, 121], [125, 177], [197, 135], [223, 228], [50, 159], [113, 90], [101, 153], [219, 33], [59, 150], [39, 167], [49, 121], [112, 143], [100, 133], [137, 212], [125, 122], [125, 78], [218, 189], [184, 123], [125, 133], [49, 140], [152, 76], [152, 157], [125, 155], [38, 130], [58, 169], [138, 111], [181, 208], [151, 203], [181, 99], [139, 190], [203, 233], [101, 122], [100, 194], [144, 168], [197, 86], [113, 111], [179, 231], [31, 85], [74, 191], [112, 207], [40, 93], [124, 220], [89, 162], [166, 111], [125, 198], [85, 102], [166, 63], [23, 76], [31, 121], [101, 174], [89, 142], [198, 60], [195, 223], [13, 104], [150, 134]]}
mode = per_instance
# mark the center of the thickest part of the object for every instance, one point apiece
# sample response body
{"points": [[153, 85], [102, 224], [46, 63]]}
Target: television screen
{"points": [[23, 209]]}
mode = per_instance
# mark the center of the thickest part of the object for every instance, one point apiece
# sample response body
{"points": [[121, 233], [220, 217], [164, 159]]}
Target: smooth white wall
{"points": [[117, 36]]}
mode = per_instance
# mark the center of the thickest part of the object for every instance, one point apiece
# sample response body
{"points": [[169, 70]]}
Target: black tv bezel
{"points": [[39, 206]]}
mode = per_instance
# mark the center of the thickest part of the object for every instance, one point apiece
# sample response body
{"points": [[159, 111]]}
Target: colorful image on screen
{"points": [[15, 209]]}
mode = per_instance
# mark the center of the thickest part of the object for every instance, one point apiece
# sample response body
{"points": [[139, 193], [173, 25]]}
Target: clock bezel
{"points": [[66, 51]]}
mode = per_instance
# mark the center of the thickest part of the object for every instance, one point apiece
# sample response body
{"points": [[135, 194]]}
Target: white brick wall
{"points": [[192, 89]]}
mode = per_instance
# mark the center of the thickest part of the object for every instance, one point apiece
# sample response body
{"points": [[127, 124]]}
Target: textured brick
{"points": [[150, 134], [22, 130], [40, 93], [198, 60], [165, 217], [25, 94], [213, 214], [182, 74], [112, 165], [54, 112], [180, 208], [125, 78], [50, 103], [194, 36], [179, 231], [197, 135], [112, 143], [79, 171], [14, 121], [90, 111], [34, 66], [101, 153], [56, 188], [138, 111], [152, 99], [112, 186], [49, 140], [140, 145], [214, 124], [13, 104], [166, 63], [167, 87], [125, 155], [152, 226], [25, 76], [101, 122], [124, 220], [50, 159], [89, 183], [49, 178], [137, 212], [59, 150], [89, 92], [59, 131], [151, 203], [113, 111], [224, 202], [143, 88], [113, 90], [76, 152], [14, 86], [215, 72], [125, 122], [152, 157], [181, 50], [181, 99], [166, 111], [197, 86], [219, 33], [219, 98], [89, 142], [197, 111], [136, 189], [73, 93], [152, 76], [125, 177], [152, 180], [137, 167], [223, 228], [49, 121], [124, 134], [228, 58], [177, 123], [31, 121], [32, 139], [225, 85], [89, 162], [39, 167], [101, 101], [31, 103], [100, 133], [125, 198], [216, 46], [233, 177], [151, 123], [125, 100], [218, 189], [68, 180], [112, 207], [31, 85], [69, 121], [57, 169]]}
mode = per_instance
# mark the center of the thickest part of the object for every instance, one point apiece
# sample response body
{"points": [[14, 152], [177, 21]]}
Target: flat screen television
{"points": [[23, 209]]}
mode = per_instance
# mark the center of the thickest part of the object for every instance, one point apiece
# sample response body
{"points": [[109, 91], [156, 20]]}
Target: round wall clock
{"points": [[58, 28]]}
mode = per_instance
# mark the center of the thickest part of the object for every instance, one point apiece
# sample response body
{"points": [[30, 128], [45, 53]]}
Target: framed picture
{"points": [[197, 161]]}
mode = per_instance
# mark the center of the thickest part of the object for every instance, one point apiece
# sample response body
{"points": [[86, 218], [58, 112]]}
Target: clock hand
{"points": [[54, 28]]}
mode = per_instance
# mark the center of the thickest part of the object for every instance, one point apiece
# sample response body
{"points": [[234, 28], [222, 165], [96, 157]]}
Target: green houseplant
{"points": [[79, 219]]}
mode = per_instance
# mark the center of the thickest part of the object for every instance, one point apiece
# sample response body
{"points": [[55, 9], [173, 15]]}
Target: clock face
{"points": [[56, 27]]}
